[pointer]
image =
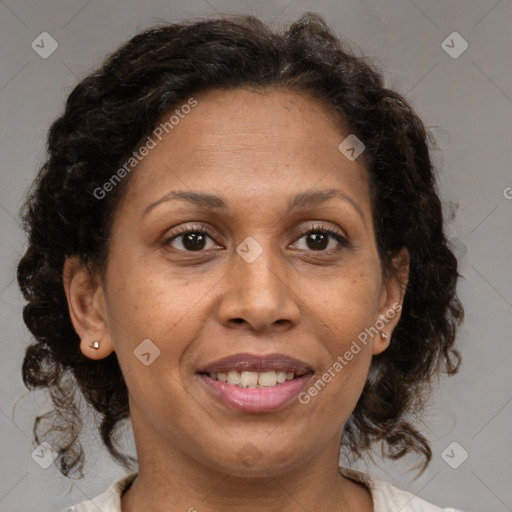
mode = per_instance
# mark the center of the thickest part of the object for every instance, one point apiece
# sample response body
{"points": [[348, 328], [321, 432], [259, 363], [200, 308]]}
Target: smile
{"points": [[254, 379], [256, 398]]}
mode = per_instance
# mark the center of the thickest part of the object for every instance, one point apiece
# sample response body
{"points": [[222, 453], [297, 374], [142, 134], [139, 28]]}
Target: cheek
{"points": [[346, 310], [145, 307], [151, 327], [335, 389], [149, 303], [347, 306]]}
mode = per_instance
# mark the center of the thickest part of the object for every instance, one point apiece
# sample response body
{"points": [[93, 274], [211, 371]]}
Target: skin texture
{"points": [[256, 150]]}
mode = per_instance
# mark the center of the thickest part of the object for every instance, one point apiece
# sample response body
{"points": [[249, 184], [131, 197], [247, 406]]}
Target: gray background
{"points": [[466, 102]]}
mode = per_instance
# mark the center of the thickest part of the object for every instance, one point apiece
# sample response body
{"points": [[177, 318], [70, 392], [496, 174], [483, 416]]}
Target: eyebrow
{"points": [[301, 200]]}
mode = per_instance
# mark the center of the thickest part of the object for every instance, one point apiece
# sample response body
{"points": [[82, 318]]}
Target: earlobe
{"points": [[95, 349], [87, 309], [381, 343]]}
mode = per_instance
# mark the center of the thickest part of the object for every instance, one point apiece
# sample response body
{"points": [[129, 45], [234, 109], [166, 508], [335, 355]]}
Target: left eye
{"points": [[318, 238]]}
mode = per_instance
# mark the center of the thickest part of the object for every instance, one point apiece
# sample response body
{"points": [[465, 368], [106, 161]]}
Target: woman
{"points": [[237, 243]]}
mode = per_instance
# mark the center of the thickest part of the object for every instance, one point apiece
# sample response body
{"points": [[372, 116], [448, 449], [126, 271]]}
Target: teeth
{"points": [[267, 379], [249, 379], [234, 377], [253, 379]]}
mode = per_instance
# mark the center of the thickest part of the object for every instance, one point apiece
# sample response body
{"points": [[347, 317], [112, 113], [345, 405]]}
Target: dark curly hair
{"points": [[111, 112]]}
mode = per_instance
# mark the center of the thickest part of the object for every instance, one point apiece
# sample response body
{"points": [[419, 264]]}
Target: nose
{"points": [[260, 295]]}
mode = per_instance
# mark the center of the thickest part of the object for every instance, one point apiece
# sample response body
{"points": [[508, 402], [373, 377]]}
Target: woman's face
{"points": [[245, 281]]}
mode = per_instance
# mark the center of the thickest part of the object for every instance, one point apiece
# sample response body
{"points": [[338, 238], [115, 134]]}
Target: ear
{"points": [[391, 300], [86, 303]]}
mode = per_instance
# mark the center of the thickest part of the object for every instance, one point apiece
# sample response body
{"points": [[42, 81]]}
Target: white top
{"points": [[386, 498]]}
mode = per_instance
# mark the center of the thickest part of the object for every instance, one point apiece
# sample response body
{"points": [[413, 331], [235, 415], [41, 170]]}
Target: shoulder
{"points": [[385, 495], [109, 501]]}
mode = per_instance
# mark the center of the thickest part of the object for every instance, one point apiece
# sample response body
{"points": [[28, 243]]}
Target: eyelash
{"points": [[187, 229]]}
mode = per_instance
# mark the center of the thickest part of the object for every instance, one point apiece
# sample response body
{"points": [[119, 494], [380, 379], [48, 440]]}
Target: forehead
{"points": [[257, 119], [257, 144]]}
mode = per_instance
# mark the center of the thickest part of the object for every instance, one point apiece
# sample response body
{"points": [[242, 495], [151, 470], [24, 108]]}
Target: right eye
{"points": [[192, 238]]}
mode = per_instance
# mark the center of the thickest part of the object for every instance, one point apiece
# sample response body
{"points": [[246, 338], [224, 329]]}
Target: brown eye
{"points": [[190, 238], [317, 241], [318, 238], [194, 241]]}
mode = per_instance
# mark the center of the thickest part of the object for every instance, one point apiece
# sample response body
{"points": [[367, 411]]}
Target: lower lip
{"points": [[266, 399]]}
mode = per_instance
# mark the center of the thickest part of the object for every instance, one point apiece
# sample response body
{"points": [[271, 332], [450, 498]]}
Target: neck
{"points": [[171, 479]]}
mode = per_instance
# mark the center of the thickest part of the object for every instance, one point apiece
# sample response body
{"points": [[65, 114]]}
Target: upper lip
{"points": [[257, 363]]}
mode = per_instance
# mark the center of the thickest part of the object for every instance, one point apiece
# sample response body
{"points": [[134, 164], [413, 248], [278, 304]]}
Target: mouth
{"points": [[257, 363], [246, 379], [255, 384]]}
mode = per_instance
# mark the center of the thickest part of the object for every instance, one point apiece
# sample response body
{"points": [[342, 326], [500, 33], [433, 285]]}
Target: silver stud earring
{"points": [[95, 344], [384, 335]]}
